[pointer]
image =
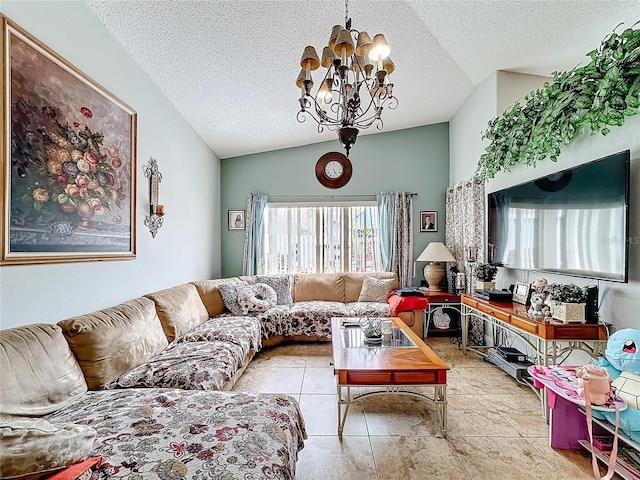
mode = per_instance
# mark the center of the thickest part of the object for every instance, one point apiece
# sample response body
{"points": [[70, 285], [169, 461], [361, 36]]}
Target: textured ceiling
{"points": [[229, 67]]}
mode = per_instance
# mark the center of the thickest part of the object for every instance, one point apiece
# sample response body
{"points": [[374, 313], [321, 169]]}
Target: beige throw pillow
{"points": [[31, 445], [375, 289]]}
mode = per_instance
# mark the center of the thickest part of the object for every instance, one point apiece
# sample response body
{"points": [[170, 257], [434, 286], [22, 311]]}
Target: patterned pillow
{"points": [[30, 445], [281, 284], [229, 292], [258, 297], [375, 289]]}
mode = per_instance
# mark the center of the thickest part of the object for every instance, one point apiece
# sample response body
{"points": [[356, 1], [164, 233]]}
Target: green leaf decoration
{"points": [[598, 95]]}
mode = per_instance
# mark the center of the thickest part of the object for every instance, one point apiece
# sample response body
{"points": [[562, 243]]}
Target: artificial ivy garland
{"points": [[598, 95]]}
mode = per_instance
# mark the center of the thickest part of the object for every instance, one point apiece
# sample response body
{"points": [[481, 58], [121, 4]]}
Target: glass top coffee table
{"points": [[400, 359]]}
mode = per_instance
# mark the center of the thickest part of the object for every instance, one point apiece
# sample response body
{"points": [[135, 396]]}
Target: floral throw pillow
{"points": [[375, 289], [258, 297], [229, 292], [281, 284]]}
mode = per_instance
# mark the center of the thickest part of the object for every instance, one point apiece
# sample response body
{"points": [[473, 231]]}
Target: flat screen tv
{"points": [[573, 222]]}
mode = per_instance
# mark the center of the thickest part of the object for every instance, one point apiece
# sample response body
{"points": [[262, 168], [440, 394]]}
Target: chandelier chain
{"points": [[346, 12]]}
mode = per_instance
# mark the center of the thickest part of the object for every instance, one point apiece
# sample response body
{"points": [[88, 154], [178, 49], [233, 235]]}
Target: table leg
{"points": [[343, 417]]}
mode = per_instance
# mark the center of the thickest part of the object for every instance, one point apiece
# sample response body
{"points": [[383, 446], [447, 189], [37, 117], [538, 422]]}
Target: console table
{"points": [[549, 341]]}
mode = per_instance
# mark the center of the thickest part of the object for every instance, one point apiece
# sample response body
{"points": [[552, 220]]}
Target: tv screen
{"points": [[573, 222]]}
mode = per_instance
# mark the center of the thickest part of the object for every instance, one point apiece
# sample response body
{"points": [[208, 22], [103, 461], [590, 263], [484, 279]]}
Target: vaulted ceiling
{"points": [[229, 67]]}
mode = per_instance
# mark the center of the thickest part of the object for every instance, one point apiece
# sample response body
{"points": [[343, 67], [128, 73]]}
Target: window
{"points": [[320, 238]]}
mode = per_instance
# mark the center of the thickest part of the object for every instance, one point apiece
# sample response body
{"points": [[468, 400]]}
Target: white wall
{"points": [[466, 127], [186, 248], [619, 303]]}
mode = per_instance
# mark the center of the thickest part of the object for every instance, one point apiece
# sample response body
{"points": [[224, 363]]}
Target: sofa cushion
{"points": [[368, 309], [353, 283], [229, 291], [38, 372], [114, 340], [281, 284], [243, 331], [375, 289], [258, 297], [210, 296], [33, 445], [178, 434], [318, 286], [189, 366], [179, 309]]}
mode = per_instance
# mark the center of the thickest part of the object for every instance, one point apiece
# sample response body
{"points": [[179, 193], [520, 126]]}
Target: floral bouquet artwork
{"points": [[71, 164]]}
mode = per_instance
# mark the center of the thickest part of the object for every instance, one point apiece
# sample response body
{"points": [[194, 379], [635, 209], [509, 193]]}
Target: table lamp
{"points": [[434, 253]]}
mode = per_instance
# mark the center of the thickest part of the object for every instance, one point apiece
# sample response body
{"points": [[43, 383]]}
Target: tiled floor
{"points": [[496, 428]]}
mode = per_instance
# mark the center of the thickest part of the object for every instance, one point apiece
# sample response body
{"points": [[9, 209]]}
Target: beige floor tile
{"points": [[271, 379], [287, 355], [482, 381], [320, 355], [329, 458], [523, 411], [320, 414], [513, 458], [419, 458], [572, 464], [472, 415], [403, 415], [319, 380]]}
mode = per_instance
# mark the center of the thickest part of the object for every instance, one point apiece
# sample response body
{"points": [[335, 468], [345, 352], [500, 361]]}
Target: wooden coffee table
{"points": [[401, 360]]}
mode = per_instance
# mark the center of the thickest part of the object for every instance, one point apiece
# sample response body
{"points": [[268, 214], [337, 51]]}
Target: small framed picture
{"points": [[428, 221], [522, 293], [236, 220]]}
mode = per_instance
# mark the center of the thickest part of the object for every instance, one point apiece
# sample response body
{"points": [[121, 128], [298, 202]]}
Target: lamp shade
{"points": [[363, 44], [310, 58], [436, 252], [327, 57], [335, 31], [344, 44], [379, 48]]}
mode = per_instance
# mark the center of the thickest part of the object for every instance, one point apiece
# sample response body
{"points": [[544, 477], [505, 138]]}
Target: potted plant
{"points": [[567, 302], [485, 274]]}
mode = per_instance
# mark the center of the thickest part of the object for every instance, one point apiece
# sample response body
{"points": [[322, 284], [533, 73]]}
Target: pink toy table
{"points": [[567, 424]]}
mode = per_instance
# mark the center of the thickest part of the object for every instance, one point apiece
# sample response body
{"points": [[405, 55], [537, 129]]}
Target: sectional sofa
{"points": [[143, 387]]}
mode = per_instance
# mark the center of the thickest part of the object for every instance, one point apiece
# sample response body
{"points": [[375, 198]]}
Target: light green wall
{"points": [[415, 159]]}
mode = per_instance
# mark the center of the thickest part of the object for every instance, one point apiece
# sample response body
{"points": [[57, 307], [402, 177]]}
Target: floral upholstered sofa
{"points": [[144, 386]]}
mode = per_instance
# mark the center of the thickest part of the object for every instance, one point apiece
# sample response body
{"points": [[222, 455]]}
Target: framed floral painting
{"points": [[68, 160]]}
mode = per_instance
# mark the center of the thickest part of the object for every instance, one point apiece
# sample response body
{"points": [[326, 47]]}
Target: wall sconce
{"points": [[156, 211]]}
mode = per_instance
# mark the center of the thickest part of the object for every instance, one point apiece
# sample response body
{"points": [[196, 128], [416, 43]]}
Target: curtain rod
{"points": [[271, 197]]}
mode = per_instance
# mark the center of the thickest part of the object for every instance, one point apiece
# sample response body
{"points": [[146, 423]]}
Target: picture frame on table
{"points": [[522, 293], [236, 219], [68, 163], [428, 221]]}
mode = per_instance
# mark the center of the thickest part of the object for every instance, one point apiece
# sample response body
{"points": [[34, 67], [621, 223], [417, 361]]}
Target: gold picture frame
{"points": [[521, 293], [68, 176]]}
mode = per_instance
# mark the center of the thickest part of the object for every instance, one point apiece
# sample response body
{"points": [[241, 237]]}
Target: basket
{"points": [[568, 312]]}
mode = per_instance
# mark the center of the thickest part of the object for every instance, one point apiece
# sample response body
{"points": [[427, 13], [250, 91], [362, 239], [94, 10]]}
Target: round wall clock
{"points": [[333, 170]]}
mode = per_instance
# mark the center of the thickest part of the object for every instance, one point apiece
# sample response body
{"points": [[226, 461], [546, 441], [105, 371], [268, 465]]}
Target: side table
{"points": [[439, 301]]}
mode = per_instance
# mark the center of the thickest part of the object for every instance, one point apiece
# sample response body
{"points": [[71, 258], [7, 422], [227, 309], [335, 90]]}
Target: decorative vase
{"points": [[372, 327], [568, 312], [86, 213]]}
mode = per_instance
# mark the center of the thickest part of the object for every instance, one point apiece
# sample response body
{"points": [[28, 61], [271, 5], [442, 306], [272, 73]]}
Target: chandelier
{"points": [[356, 86]]}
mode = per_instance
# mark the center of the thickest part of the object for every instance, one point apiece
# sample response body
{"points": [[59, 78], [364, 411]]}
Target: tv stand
{"points": [[549, 341]]}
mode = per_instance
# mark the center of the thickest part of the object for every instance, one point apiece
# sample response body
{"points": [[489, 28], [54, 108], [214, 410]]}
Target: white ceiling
{"points": [[229, 67]]}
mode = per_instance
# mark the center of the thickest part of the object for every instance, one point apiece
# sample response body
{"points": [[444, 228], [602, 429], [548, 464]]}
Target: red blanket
{"points": [[404, 304]]}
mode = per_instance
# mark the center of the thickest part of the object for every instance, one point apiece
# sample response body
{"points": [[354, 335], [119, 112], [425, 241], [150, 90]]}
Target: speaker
{"points": [[591, 312]]}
